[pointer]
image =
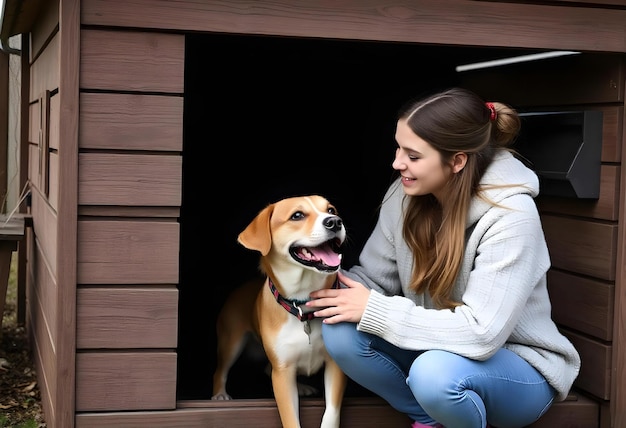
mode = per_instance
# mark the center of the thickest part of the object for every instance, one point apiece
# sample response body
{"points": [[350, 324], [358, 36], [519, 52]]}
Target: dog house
{"points": [[152, 131]]}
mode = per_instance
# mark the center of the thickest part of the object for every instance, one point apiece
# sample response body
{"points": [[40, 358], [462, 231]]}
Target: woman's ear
{"points": [[458, 162]]}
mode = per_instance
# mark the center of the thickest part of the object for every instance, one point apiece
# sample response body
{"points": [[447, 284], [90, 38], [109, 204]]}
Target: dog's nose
{"points": [[333, 223]]}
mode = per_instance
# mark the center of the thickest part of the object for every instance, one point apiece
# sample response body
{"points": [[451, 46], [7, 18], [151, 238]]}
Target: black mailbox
{"points": [[564, 148]]}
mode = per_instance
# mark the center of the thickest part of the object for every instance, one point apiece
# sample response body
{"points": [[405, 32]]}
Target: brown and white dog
{"points": [[299, 240]]}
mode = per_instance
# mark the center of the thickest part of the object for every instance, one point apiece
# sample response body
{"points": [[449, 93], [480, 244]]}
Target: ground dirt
{"points": [[20, 405]]}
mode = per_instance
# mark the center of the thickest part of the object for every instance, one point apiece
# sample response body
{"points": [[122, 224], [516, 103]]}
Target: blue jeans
{"points": [[439, 386]]}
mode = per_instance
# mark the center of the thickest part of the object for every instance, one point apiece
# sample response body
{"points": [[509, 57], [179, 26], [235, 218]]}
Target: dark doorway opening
{"points": [[271, 117]]}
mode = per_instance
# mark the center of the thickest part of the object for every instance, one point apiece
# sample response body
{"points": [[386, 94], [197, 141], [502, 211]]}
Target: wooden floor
{"points": [[575, 412]]}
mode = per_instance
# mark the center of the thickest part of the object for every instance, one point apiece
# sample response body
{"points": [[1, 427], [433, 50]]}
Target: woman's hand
{"points": [[340, 304]]}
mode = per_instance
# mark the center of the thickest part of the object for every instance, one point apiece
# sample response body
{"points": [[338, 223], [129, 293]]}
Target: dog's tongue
{"points": [[326, 255]]}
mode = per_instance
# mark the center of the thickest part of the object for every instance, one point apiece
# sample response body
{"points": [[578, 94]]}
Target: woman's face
{"points": [[419, 164]]}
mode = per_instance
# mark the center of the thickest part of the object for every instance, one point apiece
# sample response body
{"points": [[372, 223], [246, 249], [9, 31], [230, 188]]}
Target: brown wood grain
{"points": [[127, 252], [131, 122], [121, 211], [103, 321], [46, 228], [42, 316], [582, 246], [612, 130], [66, 239], [125, 381], [128, 61], [596, 369], [46, 294], [130, 179], [420, 21], [582, 303], [576, 412], [579, 413], [357, 412], [45, 74]]}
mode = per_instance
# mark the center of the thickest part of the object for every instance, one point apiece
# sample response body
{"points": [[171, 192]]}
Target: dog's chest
{"points": [[301, 345]]}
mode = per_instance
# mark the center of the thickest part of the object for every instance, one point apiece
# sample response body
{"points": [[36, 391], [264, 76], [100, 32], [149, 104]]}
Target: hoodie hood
{"points": [[510, 176]]}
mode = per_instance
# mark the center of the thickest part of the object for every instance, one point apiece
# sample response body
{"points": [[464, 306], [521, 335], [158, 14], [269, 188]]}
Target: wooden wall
{"points": [[105, 166], [129, 192], [42, 143]]}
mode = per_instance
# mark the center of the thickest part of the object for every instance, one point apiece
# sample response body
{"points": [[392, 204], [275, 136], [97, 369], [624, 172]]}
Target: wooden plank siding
{"points": [[42, 317], [44, 293], [51, 164], [149, 381], [591, 250], [130, 179], [578, 295], [103, 319], [596, 369], [126, 61], [117, 121], [129, 196], [535, 25], [127, 252]]}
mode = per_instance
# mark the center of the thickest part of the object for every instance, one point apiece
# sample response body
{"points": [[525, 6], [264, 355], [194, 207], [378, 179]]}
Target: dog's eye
{"points": [[332, 210], [298, 215]]}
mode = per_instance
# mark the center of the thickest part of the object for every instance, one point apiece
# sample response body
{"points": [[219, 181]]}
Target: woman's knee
{"points": [[428, 375], [430, 364]]}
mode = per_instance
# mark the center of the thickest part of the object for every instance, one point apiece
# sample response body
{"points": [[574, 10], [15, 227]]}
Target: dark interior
{"points": [[271, 117]]}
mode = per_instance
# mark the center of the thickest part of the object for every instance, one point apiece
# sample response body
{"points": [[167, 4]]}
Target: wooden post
{"points": [[11, 232]]}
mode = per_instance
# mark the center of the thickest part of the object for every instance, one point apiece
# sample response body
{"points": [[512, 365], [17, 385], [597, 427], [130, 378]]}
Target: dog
{"points": [[299, 240]]}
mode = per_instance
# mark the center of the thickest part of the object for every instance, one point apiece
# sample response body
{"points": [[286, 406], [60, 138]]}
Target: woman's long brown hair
{"points": [[456, 120]]}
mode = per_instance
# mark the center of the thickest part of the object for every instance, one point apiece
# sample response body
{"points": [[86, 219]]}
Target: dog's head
{"points": [[304, 229]]}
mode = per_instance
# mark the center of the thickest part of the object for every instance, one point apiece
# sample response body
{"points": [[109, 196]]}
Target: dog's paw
{"points": [[305, 390], [221, 396]]}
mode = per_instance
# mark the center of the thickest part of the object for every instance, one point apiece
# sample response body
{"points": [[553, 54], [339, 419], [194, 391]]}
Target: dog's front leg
{"points": [[286, 395], [334, 387]]}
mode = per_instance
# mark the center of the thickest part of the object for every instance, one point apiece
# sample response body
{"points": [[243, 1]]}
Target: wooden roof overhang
{"points": [[16, 17]]}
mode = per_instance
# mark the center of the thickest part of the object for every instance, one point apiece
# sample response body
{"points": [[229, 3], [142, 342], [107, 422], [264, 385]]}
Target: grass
{"points": [[28, 424]]}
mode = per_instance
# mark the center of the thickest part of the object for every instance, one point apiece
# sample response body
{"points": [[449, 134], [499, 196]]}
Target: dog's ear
{"points": [[257, 235]]}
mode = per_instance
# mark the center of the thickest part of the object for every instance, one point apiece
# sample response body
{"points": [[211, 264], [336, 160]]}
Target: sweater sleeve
{"points": [[506, 258], [378, 261]]}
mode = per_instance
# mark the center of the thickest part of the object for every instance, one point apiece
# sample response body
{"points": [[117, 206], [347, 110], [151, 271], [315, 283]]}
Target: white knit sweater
{"points": [[502, 282]]}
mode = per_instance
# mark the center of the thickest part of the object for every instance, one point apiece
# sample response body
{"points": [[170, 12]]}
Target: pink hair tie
{"points": [[492, 111]]}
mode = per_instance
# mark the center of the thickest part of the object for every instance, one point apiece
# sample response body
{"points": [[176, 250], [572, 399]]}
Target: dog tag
{"points": [[307, 330]]}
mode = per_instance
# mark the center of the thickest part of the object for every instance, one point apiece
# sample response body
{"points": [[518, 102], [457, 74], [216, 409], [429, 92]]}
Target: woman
{"points": [[447, 314]]}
